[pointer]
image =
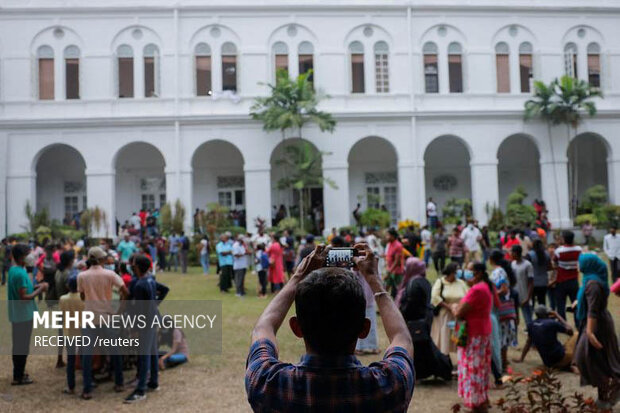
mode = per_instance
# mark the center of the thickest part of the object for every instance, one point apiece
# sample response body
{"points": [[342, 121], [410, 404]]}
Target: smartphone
{"points": [[341, 257]]}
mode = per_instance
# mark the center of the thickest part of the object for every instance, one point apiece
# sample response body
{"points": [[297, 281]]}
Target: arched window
{"points": [[594, 65], [72, 72], [570, 59], [229, 67], [455, 67], [431, 70], [525, 66], [280, 53], [305, 53], [203, 70], [356, 50], [45, 64], [502, 65], [125, 71], [382, 75], [151, 71]]}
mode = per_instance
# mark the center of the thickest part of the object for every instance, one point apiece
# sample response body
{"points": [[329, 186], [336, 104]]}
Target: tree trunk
{"points": [[301, 210]]}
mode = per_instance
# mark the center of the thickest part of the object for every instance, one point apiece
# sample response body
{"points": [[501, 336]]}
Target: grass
{"points": [[214, 383]]}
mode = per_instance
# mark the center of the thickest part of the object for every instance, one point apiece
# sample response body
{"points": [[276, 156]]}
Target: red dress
{"points": [[276, 260]]}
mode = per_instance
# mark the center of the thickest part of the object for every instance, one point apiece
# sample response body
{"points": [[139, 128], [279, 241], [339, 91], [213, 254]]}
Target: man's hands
{"points": [[313, 261], [366, 262]]}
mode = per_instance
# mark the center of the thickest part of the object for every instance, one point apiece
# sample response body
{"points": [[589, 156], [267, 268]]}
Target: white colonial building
{"points": [[129, 104]]}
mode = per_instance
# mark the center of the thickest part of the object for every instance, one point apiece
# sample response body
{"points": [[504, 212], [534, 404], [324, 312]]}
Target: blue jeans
{"points": [[427, 255], [204, 261], [71, 352], [87, 357], [173, 256], [148, 361], [526, 310]]}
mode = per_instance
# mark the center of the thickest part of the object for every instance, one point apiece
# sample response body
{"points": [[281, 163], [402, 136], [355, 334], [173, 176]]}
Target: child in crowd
{"points": [[72, 303], [179, 350], [261, 260]]}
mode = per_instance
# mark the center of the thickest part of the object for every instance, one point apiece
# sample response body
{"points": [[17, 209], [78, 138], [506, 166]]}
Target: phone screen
{"points": [[340, 257]]}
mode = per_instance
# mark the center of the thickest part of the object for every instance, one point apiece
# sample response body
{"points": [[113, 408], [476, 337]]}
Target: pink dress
{"points": [[276, 271]]}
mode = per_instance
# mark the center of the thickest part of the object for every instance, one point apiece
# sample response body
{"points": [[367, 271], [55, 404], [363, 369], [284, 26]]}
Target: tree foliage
{"points": [[290, 105], [517, 213], [373, 217]]}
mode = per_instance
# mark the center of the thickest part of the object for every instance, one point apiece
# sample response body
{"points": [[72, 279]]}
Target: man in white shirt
{"points": [[240, 264], [426, 237], [611, 246], [471, 236], [431, 213], [135, 221]]}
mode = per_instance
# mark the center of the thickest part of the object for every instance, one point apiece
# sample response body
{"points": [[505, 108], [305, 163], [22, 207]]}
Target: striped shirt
{"points": [[566, 261], [328, 384]]}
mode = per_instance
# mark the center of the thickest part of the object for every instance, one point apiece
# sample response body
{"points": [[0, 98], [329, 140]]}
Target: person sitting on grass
{"points": [[543, 334], [179, 350], [330, 317]]}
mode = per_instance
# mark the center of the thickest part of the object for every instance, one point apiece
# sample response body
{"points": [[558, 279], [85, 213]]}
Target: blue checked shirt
{"points": [[328, 384]]}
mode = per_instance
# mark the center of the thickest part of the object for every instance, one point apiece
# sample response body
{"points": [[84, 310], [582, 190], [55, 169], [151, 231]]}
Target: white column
{"points": [[101, 193], [613, 180], [336, 200], [20, 189], [484, 187], [186, 197], [442, 66], [409, 192], [138, 74], [257, 194], [554, 184]]}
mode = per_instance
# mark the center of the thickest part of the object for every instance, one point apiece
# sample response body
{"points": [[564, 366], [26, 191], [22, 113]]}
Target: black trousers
{"points": [[21, 333], [613, 264], [540, 296]]}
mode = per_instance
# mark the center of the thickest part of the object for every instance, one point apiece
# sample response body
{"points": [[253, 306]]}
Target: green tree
{"points": [[561, 102], [518, 214], [178, 219], [302, 163], [165, 215], [290, 105]]}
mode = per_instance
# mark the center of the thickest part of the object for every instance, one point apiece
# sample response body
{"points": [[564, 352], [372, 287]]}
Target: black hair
{"points": [[568, 237], [337, 242], [497, 257], [482, 268], [19, 251], [539, 249], [393, 233], [450, 268], [331, 309], [72, 284], [123, 268], [142, 263], [517, 249], [65, 259]]}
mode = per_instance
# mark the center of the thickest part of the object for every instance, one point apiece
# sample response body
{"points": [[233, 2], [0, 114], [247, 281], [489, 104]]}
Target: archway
{"points": [[587, 166], [140, 179], [61, 182], [373, 176], [285, 198], [218, 177], [447, 171], [518, 164]]}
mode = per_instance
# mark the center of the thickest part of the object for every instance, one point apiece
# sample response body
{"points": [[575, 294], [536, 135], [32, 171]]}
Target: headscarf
{"points": [[414, 268], [593, 269]]}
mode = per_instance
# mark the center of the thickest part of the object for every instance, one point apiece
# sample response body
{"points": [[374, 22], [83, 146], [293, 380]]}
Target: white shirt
{"points": [[611, 246], [426, 236], [203, 250], [242, 261], [260, 239], [470, 235], [431, 209], [135, 221]]}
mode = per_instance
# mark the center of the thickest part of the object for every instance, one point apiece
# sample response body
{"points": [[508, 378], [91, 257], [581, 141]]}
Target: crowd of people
{"points": [[73, 278]]}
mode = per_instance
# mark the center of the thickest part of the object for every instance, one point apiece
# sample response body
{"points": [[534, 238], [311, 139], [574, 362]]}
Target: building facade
{"points": [[131, 104]]}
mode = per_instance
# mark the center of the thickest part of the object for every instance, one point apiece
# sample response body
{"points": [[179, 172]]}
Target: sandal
{"points": [[86, 396], [68, 391]]}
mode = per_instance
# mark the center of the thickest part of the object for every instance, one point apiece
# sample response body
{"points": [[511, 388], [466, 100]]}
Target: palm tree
{"points": [[563, 101], [292, 104], [303, 165]]}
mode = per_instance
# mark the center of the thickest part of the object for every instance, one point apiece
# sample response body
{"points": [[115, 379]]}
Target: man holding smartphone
{"points": [[330, 317]]}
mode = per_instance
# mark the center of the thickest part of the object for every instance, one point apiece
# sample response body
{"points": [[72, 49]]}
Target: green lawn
{"points": [[212, 383]]}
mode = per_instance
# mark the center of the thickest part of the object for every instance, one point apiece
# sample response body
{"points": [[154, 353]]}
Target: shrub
{"points": [[165, 216], [608, 215], [516, 213], [373, 217], [456, 210], [581, 219], [178, 219], [594, 197], [496, 217]]}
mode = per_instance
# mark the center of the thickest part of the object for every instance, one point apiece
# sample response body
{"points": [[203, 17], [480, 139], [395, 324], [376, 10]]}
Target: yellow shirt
{"points": [[72, 303], [452, 293]]}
